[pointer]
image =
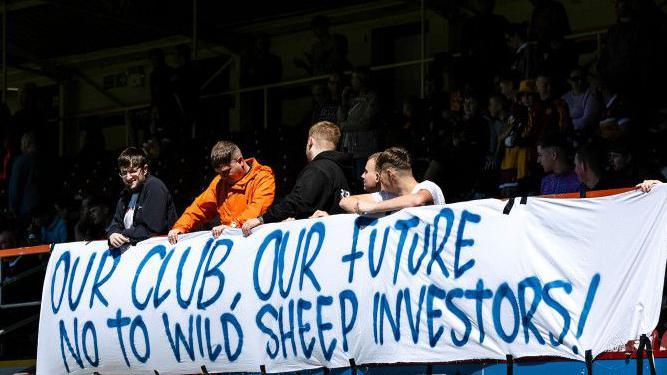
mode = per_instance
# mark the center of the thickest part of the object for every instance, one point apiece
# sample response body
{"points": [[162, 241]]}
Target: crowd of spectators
{"points": [[521, 116], [522, 108], [517, 111]]}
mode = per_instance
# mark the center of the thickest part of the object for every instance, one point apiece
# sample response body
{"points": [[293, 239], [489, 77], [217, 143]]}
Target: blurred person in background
{"points": [[100, 217], [48, 225], [26, 183], [358, 118], [328, 53], [590, 161], [582, 102], [559, 176]]}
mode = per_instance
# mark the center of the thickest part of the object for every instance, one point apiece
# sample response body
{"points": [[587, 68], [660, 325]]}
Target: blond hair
{"points": [[325, 131]]}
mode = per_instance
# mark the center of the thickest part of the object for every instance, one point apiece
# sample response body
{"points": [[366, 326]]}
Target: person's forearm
{"points": [[395, 204], [349, 204]]}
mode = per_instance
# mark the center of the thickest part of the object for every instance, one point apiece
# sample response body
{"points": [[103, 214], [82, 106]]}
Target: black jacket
{"points": [[154, 212], [319, 186]]}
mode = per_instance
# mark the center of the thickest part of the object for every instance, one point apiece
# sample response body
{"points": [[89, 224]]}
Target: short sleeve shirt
{"points": [[431, 187]]}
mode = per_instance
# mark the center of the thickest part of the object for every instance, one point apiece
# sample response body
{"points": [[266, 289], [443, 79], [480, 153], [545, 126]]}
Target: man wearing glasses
{"points": [[145, 207], [242, 190]]}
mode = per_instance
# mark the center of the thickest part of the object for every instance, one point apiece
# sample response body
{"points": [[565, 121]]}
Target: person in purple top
{"points": [[559, 177]]}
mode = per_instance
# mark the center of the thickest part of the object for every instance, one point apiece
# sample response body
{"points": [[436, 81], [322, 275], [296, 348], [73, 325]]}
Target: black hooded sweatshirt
{"points": [[319, 186]]}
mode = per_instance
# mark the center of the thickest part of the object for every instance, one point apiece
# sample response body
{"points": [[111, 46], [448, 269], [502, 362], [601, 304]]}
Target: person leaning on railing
{"points": [[399, 189], [243, 190], [145, 207], [319, 186]]}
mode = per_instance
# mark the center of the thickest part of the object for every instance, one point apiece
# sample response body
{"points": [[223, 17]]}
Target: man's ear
{"points": [[390, 174]]}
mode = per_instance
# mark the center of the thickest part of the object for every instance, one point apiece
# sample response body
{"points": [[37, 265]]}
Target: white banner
{"points": [[430, 284]]}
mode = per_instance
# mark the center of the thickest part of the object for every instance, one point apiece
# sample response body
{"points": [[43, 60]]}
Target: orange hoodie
{"points": [[248, 198]]}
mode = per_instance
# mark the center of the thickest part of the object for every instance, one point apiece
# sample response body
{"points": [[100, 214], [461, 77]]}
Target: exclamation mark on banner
{"points": [[592, 289]]}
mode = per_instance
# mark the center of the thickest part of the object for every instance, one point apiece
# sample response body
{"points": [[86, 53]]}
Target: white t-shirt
{"points": [[128, 219], [431, 187]]}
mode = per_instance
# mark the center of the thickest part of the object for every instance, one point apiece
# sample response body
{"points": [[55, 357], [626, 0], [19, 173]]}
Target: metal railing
{"points": [[4, 282]]}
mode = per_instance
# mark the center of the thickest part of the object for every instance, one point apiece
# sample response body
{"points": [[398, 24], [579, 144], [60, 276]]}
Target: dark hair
{"points": [[557, 142], [594, 156], [132, 157], [552, 140], [223, 152], [396, 157]]}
